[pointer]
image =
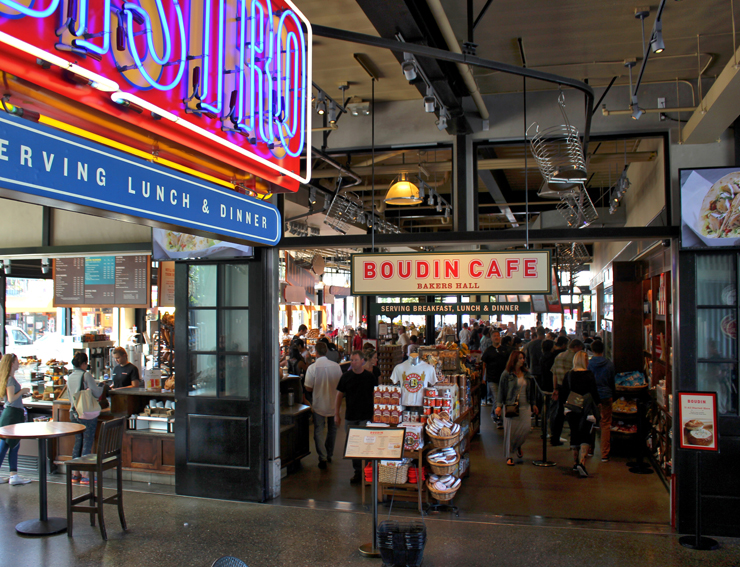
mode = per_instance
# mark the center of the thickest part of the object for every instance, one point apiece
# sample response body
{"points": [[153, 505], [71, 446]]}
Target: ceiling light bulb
{"points": [[409, 70], [439, 206], [635, 108], [656, 43], [321, 104], [447, 212], [333, 112], [430, 103], [430, 200]]}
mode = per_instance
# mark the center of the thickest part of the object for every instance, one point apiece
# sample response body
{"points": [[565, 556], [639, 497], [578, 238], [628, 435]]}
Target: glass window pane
{"points": [[235, 284], [202, 329], [715, 280], [716, 333], [203, 374], [236, 377], [202, 286], [720, 378], [235, 334]]}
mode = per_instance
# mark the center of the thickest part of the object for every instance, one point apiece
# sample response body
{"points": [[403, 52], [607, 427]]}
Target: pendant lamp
{"points": [[403, 192]]}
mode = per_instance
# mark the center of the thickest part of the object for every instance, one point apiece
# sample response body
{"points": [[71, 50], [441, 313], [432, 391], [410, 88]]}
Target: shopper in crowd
{"points": [[518, 387], [604, 373], [296, 362], [485, 340], [548, 357], [527, 337], [78, 380], [561, 366], [358, 339], [560, 344], [125, 374], [371, 362], [332, 351], [305, 353], [494, 360], [12, 414], [413, 345], [464, 335], [581, 381], [534, 354], [302, 330], [552, 336], [587, 340], [322, 378], [357, 385], [517, 343]]}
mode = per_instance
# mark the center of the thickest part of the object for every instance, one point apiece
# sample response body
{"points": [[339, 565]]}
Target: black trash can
{"points": [[402, 543]]}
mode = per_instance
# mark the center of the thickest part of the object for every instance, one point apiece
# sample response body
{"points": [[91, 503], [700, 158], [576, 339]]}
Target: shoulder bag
{"points": [[86, 406], [512, 410]]}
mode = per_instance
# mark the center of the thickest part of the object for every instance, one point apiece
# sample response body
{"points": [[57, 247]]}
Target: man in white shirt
{"points": [[322, 378], [464, 335]]}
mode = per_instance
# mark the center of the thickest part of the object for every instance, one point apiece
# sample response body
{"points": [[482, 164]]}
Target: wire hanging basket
{"points": [[577, 209], [558, 150]]}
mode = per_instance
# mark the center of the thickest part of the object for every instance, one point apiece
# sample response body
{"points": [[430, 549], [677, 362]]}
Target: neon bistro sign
{"points": [[232, 73]]}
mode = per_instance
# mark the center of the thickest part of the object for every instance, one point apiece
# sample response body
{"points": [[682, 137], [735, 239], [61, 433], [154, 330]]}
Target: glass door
{"points": [[219, 434]]}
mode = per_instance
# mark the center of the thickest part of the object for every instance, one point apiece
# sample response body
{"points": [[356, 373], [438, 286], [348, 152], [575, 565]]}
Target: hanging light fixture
{"points": [[403, 192]]}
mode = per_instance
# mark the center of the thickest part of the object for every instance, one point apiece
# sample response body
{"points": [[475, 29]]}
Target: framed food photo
{"points": [[697, 413]]}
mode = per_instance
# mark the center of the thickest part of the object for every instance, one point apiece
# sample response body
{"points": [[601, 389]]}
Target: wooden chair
{"points": [[108, 456]]}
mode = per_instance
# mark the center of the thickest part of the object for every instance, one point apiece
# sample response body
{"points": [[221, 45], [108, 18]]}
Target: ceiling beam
{"points": [[514, 237]]}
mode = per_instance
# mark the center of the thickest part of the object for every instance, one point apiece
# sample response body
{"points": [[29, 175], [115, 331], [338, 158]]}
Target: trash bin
{"points": [[402, 543]]}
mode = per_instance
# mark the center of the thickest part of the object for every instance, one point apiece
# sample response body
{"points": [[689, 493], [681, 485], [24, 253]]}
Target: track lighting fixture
{"points": [[439, 206], [45, 265], [635, 108], [321, 104], [430, 200], [312, 196], [409, 67], [656, 43], [442, 122], [447, 212], [430, 103], [6, 267], [332, 112]]}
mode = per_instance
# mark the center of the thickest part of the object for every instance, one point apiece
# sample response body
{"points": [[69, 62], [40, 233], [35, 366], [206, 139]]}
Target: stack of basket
{"points": [[402, 543]]}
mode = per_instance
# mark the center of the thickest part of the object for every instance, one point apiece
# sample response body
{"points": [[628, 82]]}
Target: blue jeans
{"points": [[83, 441], [13, 459], [325, 449], [10, 416]]}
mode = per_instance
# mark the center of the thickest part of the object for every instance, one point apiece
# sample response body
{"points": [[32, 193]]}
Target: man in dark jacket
{"points": [[603, 370], [495, 358]]}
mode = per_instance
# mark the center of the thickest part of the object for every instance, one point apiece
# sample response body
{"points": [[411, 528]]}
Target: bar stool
{"points": [[108, 456]]}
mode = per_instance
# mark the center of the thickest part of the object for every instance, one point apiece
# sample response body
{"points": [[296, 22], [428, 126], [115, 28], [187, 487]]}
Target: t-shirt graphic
{"points": [[413, 380]]}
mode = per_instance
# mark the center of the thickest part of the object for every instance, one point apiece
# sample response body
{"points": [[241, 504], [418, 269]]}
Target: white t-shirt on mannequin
{"points": [[413, 378]]}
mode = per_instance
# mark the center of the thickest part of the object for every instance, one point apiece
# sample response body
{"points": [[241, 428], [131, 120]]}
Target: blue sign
{"points": [[40, 161]]}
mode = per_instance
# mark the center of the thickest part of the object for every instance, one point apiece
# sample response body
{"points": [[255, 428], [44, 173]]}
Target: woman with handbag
{"points": [[581, 409], [518, 397], [13, 413], [78, 381]]}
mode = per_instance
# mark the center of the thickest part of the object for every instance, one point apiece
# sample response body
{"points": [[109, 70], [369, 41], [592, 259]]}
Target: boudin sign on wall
{"points": [[521, 272]]}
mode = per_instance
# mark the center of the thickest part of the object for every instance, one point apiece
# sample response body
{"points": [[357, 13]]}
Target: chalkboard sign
{"points": [[102, 281]]}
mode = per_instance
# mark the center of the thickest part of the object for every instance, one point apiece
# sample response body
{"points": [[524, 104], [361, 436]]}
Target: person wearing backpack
{"points": [[78, 381]]}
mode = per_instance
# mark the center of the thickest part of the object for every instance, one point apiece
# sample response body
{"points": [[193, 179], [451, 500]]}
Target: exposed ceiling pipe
{"points": [[343, 170], [467, 73], [606, 112]]}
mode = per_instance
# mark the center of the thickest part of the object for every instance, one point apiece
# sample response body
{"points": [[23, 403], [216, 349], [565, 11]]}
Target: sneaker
{"points": [[582, 470], [85, 481], [18, 479], [76, 479], [356, 479], [604, 459], [590, 454], [499, 425], [4, 479], [322, 465], [563, 440]]}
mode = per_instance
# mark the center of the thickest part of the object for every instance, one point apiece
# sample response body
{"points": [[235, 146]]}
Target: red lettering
{"points": [[369, 269], [452, 269], [512, 265], [386, 270], [436, 269], [474, 267], [494, 270], [407, 273], [530, 267], [422, 270]]}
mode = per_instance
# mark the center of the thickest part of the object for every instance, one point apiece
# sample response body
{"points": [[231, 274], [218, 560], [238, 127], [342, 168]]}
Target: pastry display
{"points": [[624, 406]]}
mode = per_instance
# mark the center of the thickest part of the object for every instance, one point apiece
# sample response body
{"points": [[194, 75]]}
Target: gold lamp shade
{"points": [[403, 192]]}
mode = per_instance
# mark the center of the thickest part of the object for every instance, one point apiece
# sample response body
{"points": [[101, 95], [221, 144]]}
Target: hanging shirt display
{"points": [[413, 379]]}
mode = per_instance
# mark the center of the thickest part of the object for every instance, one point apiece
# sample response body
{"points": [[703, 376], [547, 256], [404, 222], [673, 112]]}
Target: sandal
{"points": [[519, 453], [510, 462]]}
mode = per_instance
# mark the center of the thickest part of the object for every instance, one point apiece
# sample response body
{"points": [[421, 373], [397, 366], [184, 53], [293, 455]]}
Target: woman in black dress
{"points": [[581, 381]]}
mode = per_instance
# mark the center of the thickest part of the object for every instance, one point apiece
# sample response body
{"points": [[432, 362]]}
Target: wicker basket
{"points": [[442, 496], [443, 470], [393, 475], [444, 442], [631, 388]]}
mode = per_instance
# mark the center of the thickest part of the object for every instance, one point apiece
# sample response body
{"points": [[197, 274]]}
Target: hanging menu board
{"points": [[116, 281], [166, 285]]}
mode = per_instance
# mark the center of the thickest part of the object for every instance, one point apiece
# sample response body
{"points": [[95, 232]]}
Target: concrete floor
{"points": [[169, 530], [523, 492]]}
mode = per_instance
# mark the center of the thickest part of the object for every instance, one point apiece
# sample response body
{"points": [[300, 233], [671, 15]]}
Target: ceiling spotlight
{"points": [[321, 103], [430, 200], [447, 212], [409, 67], [333, 112], [312, 196], [439, 206], [45, 265], [656, 43], [430, 103], [6, 267], [635, 108], [442, 122]]}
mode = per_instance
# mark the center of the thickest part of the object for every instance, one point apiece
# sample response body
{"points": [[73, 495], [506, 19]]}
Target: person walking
{"points": [[322, 378], [485, 341], [604, 373], [13, 413], [534, 353], [464, 335], [561, 366], [581, 381], [79, 379], [357, 385], [517, 386], [494, 361]]}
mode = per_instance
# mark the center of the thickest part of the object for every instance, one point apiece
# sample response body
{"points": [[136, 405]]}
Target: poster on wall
{"points": [[697, 413], [338, 312], [539, 303], [350, 314], [553, 298], [172, 245], [166, 284], [710, 207]]}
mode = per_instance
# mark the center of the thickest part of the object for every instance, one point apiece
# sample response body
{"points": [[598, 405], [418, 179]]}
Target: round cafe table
{"points": [[41, 430]]}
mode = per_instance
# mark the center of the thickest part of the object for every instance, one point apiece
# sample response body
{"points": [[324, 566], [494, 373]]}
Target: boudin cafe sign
{"points": [[520, 272]]}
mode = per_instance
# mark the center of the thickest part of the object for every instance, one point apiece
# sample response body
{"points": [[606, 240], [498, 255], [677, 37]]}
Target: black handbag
{"points": [[512, 410]]}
